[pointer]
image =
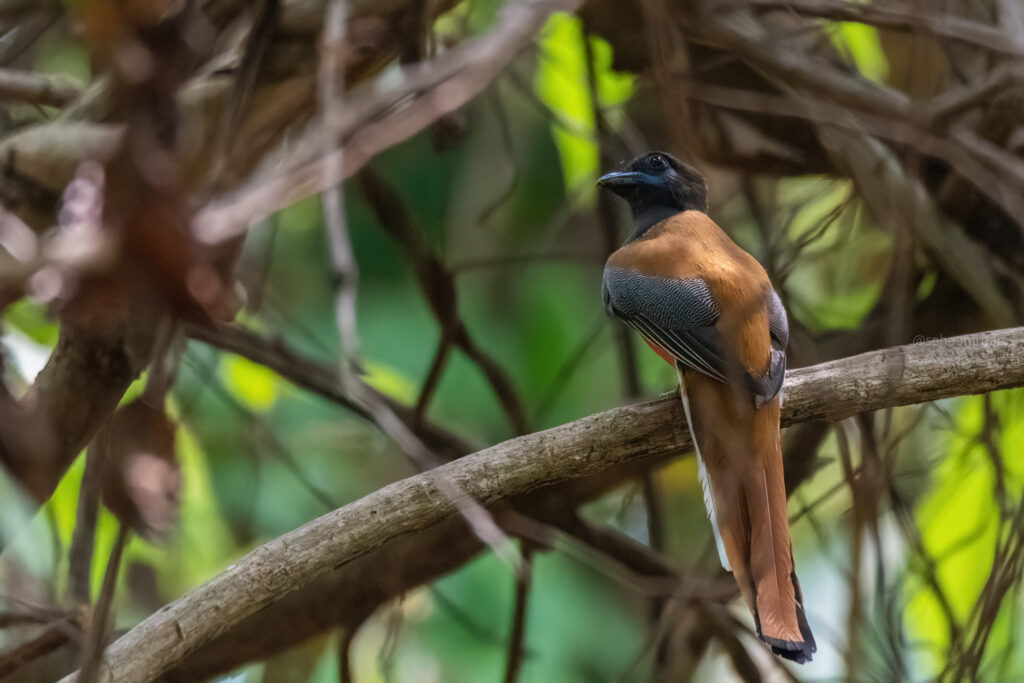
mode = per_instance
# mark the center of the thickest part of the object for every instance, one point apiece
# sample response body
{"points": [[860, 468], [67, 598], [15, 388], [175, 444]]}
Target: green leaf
{"points": [[390, 382], [31, 319], [562, 82], [861, 43], [253, 385]]}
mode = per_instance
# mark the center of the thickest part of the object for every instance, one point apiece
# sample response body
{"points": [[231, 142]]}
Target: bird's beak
{"points": [[619, 179]]}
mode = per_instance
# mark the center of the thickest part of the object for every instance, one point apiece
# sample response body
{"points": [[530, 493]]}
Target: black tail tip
{"points": [[795, 651]]}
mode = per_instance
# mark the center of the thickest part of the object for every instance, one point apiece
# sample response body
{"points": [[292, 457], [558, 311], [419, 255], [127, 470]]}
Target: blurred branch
{"points": [[84, 536], [99, 627], [257, 44], [986, 167], [345, 656], [891, 193], [35, 88], [23, 24], [630, 437], [52, 422], [320, 378], [517, 636], [940, 24], [263, 439], [346, 270], [374, 121], [608, 220], [438, 285], [878, 174], [1007, 568], [433, 379], [57, 633]]}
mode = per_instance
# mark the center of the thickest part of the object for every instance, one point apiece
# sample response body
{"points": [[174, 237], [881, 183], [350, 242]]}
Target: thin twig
{"points": [[797, 71], [517, 636], [375, 121], [572, 363], [318, 378], [257, 43], [57, 634], [263, 438], [607, 218], [438, 285], [430, 384], [345, 674], [83, 538], [478, 518], [346, 270], [33, 617], [92, 652], [855, 615]]}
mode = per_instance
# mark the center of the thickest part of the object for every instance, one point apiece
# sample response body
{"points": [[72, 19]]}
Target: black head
{"points": [[658, 181]]}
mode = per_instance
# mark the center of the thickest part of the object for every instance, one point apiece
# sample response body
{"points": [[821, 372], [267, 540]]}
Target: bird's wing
{"points": [[675, 315], [768, 387], [679, 316]]}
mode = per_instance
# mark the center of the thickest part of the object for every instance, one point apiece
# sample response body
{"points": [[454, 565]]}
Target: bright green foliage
{"points": [[862, 44], [566, 84], [961, 525], [252, 385]]}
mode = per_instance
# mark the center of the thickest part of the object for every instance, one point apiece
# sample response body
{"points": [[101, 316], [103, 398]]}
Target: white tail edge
{"points": [[702, 474]]}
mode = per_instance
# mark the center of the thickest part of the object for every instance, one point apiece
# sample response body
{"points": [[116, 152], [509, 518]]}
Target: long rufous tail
{"points": [[739, 453]]}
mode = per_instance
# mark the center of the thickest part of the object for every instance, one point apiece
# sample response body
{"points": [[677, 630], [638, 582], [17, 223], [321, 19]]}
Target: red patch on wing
{"points": [[666, 356]]}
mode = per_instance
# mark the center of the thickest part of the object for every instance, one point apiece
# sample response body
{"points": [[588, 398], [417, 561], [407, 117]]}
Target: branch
{"points": [[56, 635], [51, 424], [36, 88], [939, 24], [375, 121], [318, 378], [438, 286], [514, 658], [634, 436]]}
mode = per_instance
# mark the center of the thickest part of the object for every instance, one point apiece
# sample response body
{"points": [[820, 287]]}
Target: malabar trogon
{"points": [[708, 308]]}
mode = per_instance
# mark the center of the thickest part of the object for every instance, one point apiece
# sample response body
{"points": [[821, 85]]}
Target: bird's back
{"points": [[691, 245]]}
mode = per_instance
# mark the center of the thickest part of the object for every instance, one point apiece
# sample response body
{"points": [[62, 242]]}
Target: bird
{"points": [[708, 308]]}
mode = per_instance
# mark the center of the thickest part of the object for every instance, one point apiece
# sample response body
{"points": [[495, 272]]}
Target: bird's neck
{"points": [[645, 218]]}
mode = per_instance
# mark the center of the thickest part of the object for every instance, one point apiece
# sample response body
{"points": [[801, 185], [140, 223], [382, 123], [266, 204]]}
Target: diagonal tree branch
{"points": [[318, 378], [631, 436], [375, 122]]}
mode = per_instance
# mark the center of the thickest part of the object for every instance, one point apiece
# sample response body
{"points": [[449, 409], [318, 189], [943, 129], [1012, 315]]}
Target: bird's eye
{"points": [[657, 162]]}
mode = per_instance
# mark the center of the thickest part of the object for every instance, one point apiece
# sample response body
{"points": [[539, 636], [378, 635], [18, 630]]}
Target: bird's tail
{"points": [[739, 453]]}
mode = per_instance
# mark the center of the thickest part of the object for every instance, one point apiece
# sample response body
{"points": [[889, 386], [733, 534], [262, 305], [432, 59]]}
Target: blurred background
{"points": [[867, 154]]}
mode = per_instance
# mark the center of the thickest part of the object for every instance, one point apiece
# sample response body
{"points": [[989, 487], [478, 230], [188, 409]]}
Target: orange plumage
{"points": [[737, 442]]}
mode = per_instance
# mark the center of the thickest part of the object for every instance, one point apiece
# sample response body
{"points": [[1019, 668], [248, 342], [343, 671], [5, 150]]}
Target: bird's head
{"points": [[658, 180]]}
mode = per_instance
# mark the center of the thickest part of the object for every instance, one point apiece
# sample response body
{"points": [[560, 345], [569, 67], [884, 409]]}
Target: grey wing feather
{"points": [[770, 385], [778, 323], [680, 316], [677, 315]]}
